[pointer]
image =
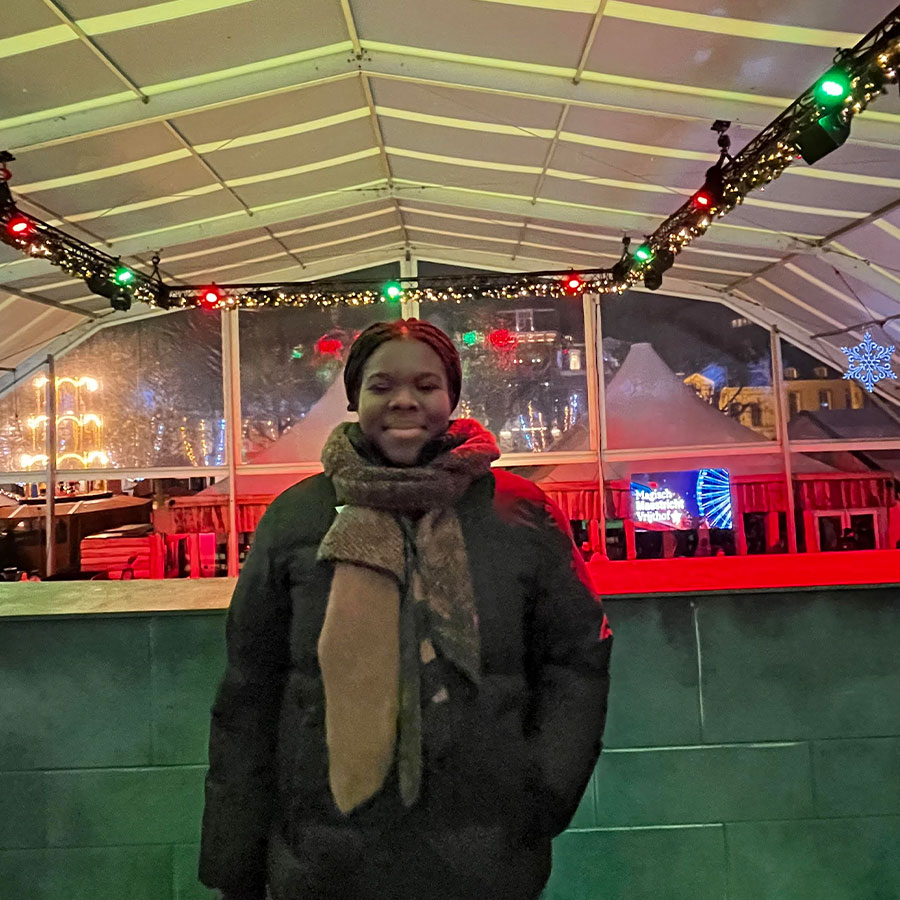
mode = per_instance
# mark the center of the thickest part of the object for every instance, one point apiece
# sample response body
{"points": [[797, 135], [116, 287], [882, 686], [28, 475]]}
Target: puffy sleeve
{"points": [[569, 658], [241, 785]]}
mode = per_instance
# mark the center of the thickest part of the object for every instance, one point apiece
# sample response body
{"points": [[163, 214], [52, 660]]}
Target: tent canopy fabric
{"points": [[269, 139]]}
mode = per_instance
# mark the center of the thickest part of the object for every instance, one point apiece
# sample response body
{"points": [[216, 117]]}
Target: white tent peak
{"points": [[301, 443], [648, 405]]}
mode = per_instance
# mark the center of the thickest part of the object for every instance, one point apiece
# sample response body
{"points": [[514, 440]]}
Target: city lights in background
{"points": [[329, 346]]}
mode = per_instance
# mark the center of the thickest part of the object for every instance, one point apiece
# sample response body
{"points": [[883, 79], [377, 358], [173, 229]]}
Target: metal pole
{"points": [[597, 414], [409, 268], [50, 500], [231, 385], [781, 423]]}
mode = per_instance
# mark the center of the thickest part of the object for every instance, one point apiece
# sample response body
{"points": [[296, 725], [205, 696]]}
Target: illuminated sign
{"points": [[682, 500], [659, 506]]}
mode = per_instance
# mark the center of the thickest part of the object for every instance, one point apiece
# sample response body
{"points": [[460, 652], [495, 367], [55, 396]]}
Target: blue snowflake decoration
{"points": [[869, 362]]}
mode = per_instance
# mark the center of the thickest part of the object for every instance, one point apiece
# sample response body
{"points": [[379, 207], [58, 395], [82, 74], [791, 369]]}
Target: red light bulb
{"points": [[574, 284], [19, 226], [210, 297], [703, 200]]}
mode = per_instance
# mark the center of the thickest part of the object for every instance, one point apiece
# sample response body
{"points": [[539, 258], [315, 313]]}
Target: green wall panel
{"points": [[654, 672], [857, 777], [75, 692], [640, 864], [110, 807], [105, 725], [187, 659], [705, 784], [185, 885], [23, 810], [586, 814], [840, 859], [113, 873], [800, 665]]}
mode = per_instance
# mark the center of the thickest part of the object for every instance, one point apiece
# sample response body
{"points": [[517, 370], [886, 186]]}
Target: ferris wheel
{"points": [[714, 497]]}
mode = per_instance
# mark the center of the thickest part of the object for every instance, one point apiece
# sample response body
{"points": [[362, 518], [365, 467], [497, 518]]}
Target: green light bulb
{"points": [[832, 87], [123, 275], [643, 253], [392, 290]]}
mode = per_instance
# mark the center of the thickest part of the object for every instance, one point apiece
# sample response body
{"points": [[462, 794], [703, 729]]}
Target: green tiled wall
{"points": [[753, 752]]}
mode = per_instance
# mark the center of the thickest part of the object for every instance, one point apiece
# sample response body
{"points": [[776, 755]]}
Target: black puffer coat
{"points": [[504, 765]]}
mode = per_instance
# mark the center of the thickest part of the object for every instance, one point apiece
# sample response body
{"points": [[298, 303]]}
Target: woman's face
{"points": [[403, 400]]}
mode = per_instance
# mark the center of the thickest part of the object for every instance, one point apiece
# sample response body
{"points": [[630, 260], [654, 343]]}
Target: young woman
{"points": [[417, 672]]}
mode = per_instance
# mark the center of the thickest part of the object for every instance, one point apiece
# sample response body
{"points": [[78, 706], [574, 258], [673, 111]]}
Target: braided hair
{"points": [[401, 329]]}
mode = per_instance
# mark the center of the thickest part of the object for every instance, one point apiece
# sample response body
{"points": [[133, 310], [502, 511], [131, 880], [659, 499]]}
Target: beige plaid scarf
{"points": [[400, 561]]}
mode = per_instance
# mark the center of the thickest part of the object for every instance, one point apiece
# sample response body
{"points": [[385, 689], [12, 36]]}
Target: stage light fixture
{"points": [[574, 284], [393, 290], [19, 226], [832, 88], [644, 253], [105, 285], [713, 191], [823, 137], [124, 276], [210, 297], [653, 275]]}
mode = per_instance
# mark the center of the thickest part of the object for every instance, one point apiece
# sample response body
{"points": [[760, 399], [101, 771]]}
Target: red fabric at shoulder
{"points": [[517, 500], [521, 502]]}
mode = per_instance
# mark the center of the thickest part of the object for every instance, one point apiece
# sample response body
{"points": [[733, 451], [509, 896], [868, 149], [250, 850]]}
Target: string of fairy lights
{"points": [[817, 123]]}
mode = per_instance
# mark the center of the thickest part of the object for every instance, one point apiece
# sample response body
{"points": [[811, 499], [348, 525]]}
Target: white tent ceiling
{"points": [[264, 139]]}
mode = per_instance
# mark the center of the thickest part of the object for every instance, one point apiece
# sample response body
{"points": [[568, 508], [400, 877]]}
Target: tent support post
{"points": [[781, 423], [231, 383], [593, 341], [50, 497], [409, 268]]}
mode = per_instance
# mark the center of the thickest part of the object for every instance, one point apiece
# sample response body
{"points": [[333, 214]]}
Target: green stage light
{"points": [[832, 88], [644, 253], [393, 290], [124, 276]]}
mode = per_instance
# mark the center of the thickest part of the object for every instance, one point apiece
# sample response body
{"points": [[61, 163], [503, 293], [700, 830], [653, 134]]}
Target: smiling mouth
{"points": [[406, 431]]}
